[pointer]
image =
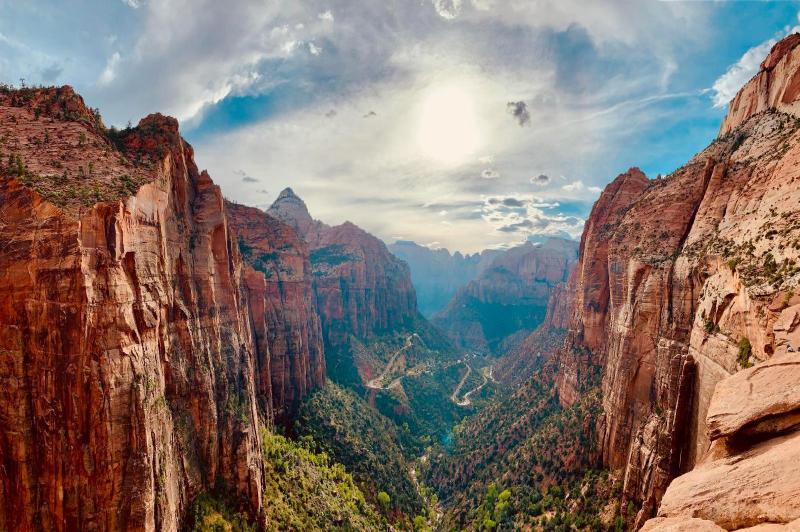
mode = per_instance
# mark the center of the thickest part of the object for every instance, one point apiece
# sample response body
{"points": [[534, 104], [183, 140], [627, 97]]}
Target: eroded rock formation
{"points": [[128, 366], [360, 287], [509, 299], [289, 349], [685, 280], [751, 474]]}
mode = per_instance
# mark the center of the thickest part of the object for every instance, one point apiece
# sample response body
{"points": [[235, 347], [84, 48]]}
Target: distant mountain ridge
{"points": [[509, 299], [437, 274]]}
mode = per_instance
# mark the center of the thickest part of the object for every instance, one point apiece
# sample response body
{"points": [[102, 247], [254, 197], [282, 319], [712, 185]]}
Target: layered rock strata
{"points": [[360, 287], [685, 280], [132, 344]]}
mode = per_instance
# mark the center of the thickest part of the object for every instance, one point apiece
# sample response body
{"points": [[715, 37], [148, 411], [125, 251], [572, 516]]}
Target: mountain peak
{"points": [[287, 193], [292, 210]]}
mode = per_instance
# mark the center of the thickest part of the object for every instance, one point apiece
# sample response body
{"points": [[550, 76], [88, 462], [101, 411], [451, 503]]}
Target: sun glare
{"points": [[448, 130]]}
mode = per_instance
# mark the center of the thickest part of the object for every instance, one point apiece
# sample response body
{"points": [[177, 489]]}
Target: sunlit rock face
{"points": [[751, 473], [509, 299], [675, 273], [776, 86], [139, 351], [127, 370]]}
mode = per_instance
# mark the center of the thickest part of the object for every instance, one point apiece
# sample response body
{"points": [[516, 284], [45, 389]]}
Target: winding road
{"points": [[465, 401], [454, 397], [375, 384]]}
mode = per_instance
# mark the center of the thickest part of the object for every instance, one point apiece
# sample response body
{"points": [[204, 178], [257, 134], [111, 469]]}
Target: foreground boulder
{"points": [[751, 475]]}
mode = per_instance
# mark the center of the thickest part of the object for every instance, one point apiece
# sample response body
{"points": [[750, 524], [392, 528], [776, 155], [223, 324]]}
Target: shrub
{"points": [[745, 350], [384, 500]]}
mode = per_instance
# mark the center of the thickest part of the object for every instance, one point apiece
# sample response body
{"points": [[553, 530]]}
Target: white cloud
{"points": [[135, 4], [521, 216], [447, 9], [728, 84], [579, 187], [109, 73], [384, 56], [739, 73]]}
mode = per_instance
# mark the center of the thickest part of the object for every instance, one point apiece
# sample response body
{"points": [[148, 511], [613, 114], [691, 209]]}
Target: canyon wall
{"points": [[290, 356], [685, 280], [360, 287], [132, 344], [437, 275], [509, 299]]}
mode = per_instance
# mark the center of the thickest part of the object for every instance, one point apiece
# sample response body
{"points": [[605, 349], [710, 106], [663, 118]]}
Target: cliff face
{"points": [[509, 299], [290, 358], [684, 280], [437, 274], [776, 86], [751, 473], [360, 287], [128, 369]]}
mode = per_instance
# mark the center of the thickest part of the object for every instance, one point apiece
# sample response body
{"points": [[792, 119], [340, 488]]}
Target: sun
{"points": [[448, 130]]}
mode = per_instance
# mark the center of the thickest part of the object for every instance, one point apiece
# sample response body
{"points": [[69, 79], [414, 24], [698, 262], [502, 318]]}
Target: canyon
{"points": [[149, 327], [437, 274], [156, 339], [509, 298]]}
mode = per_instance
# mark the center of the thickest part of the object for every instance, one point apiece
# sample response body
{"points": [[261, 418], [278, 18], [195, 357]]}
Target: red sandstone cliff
{"points": [[360, 287], [289, 351], [128, 366], [675, 274]]}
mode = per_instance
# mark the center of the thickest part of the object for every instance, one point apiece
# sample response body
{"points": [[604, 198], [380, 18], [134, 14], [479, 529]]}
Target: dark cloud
{"points": [[489, 173], [516, 227], [370, 114], [331, 113], [519, 110], [51, 73], [514, 202], [246, 178], [541, 179]]}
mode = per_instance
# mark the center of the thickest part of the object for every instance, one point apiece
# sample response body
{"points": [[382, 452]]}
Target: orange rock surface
{"points": [[675, 273], [130, 359]]}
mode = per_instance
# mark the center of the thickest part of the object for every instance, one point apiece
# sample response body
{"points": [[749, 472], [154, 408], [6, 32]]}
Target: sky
{"points": [[465, 124]]}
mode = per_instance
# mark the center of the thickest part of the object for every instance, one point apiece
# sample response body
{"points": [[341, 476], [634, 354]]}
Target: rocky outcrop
{"points": [[128, 366], [360, 287], [290, 358], [682, 281], [509, 299], [751, 475], [437, 274], [775, 86]]}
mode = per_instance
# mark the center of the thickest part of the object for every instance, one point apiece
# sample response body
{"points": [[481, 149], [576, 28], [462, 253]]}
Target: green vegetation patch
{"points": [[332, 255], [304, 490], [367, 443]]}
